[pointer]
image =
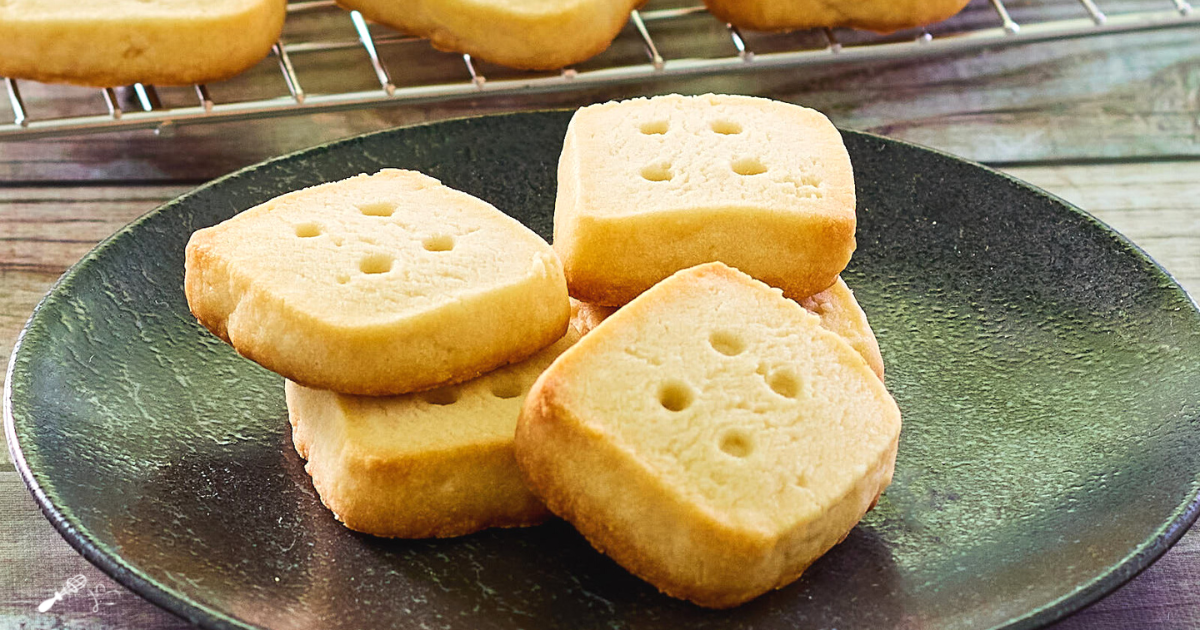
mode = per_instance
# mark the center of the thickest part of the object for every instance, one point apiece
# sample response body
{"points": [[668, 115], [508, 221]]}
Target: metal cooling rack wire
{"points": [[153, 115]]}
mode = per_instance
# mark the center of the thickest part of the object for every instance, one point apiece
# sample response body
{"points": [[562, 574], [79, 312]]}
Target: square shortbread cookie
{"points": [[710, 436], [647, 187]]}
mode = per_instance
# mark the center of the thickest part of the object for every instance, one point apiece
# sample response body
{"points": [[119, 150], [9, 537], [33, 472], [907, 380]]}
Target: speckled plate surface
{"points": [[1048, 371]]}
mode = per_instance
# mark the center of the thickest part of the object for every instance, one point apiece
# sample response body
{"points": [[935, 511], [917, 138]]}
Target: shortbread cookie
{"points": [[585, 316], [841, 313], [836, 306], [118, 42], [540, 35], [884, 16], [377, 285], [650, 186], [710, 436], [431, 464]]}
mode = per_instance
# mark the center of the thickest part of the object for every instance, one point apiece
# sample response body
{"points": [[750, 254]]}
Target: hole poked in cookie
{"points": [[736, 442], [784, 383], [749, 166], [377, 208], [806, 185], [727, 343], [657, 172], [441, 396], [308, 230], [654, 128], [808, 179], [438, 243], [507, 388], [726, 127], [675, 396], [375, 263]]}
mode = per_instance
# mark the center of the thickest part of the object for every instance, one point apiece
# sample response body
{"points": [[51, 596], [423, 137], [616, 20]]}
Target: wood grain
{"points": [[1106, 97], [28, 540], [1156, 205], [43, 231]]}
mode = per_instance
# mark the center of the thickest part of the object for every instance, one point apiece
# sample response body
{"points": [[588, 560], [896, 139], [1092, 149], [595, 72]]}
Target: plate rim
{"points": [[179, 604]]}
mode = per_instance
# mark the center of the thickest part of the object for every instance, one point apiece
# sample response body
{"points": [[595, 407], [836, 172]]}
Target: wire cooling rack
{"points": [[383, 67]]}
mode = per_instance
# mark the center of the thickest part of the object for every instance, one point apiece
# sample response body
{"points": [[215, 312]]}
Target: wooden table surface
{"points": [[1111, 124]]}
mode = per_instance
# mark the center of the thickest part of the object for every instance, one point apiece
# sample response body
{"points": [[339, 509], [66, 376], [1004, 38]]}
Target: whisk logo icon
{"points": [[73, 585]]}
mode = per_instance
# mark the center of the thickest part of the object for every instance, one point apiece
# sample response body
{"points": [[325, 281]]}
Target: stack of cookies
{"points": [[409, 320], [713, 417]]}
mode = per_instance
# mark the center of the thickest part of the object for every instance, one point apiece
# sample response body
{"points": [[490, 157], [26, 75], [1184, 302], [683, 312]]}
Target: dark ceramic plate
{"points": [[1048, 371]]}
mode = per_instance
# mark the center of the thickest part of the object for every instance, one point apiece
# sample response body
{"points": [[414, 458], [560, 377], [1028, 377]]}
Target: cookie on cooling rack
{"points": [[119, 42], [532, 36], [882, 16]]}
